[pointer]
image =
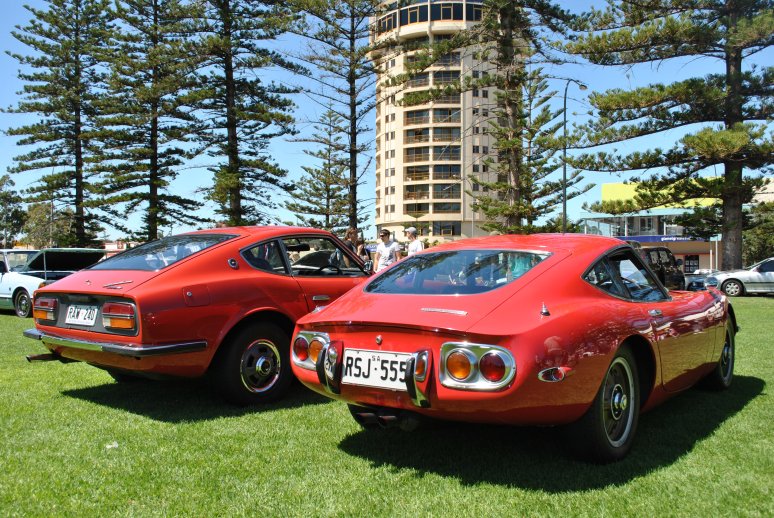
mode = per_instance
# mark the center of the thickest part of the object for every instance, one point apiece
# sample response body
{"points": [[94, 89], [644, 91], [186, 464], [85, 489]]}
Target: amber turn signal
{"points": [[458, 365], [315, 346]]}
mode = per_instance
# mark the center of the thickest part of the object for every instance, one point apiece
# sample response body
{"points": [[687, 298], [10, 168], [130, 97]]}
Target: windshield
{"points": [[17, 260], [162, 253], [456, 272]]}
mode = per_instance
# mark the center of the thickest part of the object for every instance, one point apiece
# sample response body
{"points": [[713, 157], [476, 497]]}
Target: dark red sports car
{"points": [[220, 301], [543, 330]]}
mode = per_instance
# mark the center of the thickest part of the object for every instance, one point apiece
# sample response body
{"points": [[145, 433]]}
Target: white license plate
{"points": [[374, 369], [81, 315]]}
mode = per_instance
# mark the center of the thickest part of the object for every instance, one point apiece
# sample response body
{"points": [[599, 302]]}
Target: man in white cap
{"points": [[415, 245], [387, 251]]}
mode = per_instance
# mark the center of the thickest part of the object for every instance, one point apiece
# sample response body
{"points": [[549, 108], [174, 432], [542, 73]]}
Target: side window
{"points": [[766, 267], [320, 256], [266, 257], [601, 277], [637, 281]]}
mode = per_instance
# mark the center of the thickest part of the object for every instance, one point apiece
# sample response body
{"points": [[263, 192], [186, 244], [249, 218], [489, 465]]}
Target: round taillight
{"points": [[301, 348], [492, 367], [315, 346], [458, 365]]}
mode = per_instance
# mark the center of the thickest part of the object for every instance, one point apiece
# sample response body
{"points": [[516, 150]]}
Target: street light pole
{"points": [[564, 151]]}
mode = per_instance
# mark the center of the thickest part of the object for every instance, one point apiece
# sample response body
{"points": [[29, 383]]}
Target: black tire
{"points": [[606, 432], [723, 374], [732, 288], [254, 367], [22, 304]]}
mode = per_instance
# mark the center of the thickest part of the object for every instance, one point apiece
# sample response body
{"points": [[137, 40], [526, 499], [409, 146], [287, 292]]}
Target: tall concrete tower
{"points": [[426, 153]]}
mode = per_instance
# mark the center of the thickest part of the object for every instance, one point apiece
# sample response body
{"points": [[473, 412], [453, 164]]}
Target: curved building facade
{"points": [[426, 153]]}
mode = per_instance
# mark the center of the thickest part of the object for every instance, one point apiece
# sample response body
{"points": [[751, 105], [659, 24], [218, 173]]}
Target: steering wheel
{"points": [[329, 267]]}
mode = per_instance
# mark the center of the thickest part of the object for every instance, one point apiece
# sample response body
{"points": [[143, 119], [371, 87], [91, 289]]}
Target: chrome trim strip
{"points": [[124, 350], [444, 310]]}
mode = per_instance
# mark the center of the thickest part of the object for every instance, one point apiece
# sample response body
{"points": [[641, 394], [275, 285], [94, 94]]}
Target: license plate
{"points": [[81, 315], [374, 369]]}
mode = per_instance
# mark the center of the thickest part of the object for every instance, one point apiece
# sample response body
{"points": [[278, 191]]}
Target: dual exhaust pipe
{"points": [[384, 418]]}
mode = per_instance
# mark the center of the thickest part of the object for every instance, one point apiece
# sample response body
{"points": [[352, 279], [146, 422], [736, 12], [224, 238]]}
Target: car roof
{"points": [[548, 242], [261, 230]]}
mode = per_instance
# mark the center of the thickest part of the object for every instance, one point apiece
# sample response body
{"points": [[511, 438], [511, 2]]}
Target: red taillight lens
{"points": [[458, 365], [492, 367], [44, 309], [301, 348], [118, 315]]}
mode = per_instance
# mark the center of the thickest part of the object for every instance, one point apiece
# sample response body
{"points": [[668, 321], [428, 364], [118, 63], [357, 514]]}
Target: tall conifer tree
{"points": [[146, 117], [64, 82], [723, 113], [321, 196], [241, 112], [338, 32]]}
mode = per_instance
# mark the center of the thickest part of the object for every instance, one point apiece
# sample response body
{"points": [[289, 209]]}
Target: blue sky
{"points": [[290, 154]]}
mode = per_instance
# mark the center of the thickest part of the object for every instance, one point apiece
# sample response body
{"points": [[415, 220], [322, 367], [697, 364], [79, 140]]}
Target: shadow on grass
{"points": [[175, 401], [533, 458]]}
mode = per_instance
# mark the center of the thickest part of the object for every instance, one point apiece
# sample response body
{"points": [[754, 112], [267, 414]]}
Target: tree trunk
{"points": [[733, 195], [233, 173]]}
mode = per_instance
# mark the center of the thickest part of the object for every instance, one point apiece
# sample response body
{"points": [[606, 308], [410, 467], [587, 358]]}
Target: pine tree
{"points": [[321, 196], [515, 202], [146, 119], [338, 32], [62, 88], [240, 112], [14, 215], [722, 113]]}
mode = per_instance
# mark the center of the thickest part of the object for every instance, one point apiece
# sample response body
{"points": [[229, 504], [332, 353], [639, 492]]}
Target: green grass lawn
{"points": [[75, 443]]}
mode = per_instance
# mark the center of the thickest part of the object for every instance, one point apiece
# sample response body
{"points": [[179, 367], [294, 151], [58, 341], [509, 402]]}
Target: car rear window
{"points": [[456, 272], [159, 254]]}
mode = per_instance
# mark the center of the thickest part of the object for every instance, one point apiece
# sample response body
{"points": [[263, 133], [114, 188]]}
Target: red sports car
{"points": [[542, 330], [220, 301]]}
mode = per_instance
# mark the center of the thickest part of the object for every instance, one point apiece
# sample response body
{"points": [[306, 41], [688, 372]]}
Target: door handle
{"points": [[655, 312], [320, 298]]}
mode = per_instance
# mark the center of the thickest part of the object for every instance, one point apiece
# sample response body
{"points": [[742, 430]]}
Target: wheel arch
{"points": [[646, 365], [266, 316]]}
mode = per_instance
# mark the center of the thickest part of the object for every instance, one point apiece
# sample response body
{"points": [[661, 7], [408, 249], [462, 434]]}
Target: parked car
{"points": [[18, 280], [758, 278], [663, 263], [524, 330], [220, 301], [697, 280]]}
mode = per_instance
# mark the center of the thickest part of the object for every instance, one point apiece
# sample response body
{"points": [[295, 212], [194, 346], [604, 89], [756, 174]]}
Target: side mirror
{"points": [[679, 262], [3, 267], [369, 267]]}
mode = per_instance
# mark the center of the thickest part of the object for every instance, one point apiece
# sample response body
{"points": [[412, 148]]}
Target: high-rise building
{"points": [[426, 153]]}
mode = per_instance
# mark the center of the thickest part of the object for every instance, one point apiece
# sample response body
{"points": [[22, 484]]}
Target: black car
{"points": [[665, 266]]}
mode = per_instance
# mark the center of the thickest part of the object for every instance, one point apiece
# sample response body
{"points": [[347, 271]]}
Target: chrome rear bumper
{"points": [[124, 350]]}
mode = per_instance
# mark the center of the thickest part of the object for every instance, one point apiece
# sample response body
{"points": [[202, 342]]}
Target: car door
{"points": [[761, 279], [682, 330], [323, 267]]}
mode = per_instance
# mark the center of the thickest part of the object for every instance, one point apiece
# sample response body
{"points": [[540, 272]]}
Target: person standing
{"points": [[387, 252], [415, 245]]}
